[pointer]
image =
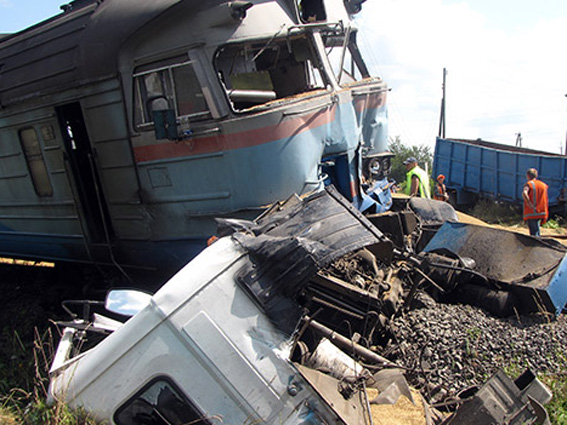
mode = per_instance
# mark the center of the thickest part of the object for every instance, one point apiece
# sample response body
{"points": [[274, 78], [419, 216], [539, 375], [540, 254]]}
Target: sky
{"points": [[506, 67], [16, 15]]}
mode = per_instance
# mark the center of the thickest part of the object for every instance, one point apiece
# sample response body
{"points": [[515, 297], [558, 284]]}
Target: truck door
{"points": [[81, 162]]}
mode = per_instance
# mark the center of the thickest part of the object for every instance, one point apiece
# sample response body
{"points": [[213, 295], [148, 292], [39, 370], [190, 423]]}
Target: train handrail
{"points": [[103, 216]]}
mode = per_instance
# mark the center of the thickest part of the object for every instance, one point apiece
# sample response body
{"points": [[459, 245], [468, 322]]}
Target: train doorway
{"points": [[86, 178]]}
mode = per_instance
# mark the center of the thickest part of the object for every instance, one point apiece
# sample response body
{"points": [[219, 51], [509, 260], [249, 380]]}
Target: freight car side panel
{"points": [[496, 171]]}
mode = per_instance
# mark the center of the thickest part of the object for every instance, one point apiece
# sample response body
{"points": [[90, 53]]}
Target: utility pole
{"points": [[565, 150], [442, 117]]}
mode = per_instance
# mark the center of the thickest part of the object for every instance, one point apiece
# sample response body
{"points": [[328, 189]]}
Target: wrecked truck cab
{"points": [[201, 341], [207, 347]]}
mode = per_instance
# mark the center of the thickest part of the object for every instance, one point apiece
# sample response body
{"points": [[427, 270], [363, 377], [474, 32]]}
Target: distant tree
{"points": [[422, 153]]}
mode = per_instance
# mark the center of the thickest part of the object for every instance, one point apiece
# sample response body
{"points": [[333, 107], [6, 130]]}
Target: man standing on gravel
{"points": [[535, 202]]}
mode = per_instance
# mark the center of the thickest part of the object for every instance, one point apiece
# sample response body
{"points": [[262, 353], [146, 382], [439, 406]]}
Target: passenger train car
{"points": [[127, 126]]}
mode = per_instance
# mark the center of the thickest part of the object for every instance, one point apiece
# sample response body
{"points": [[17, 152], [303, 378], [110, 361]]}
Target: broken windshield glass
{"points": [[261, 72], [345, 58]]}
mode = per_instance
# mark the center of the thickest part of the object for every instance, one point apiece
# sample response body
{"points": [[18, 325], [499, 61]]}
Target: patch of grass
{"points": [[471, 341], [552, 224], [515, 367], [7, 417], [39, 412], [557, 407], [26, 404]]}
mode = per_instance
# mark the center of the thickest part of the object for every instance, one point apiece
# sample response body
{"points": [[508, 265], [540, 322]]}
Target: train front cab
{"points": [[210, 113]]}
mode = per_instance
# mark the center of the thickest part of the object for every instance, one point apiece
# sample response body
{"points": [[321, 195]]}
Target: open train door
{"points": [[87, 187]]}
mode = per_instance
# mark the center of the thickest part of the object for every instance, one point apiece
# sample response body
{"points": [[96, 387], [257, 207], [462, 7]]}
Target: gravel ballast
{"points": [[451, 347]]}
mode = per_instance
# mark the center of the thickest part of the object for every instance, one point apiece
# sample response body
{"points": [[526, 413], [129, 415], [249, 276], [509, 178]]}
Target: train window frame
{"points": [[150, 409], [342, 50], [167, 73], [311, 11], [35, 161], [269, 91]]}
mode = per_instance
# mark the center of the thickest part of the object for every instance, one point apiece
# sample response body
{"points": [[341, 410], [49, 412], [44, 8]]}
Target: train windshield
{"points": [[261, 73], [344, 56]]}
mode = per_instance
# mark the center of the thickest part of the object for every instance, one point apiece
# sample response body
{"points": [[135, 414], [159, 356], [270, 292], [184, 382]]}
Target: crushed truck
{"points": [[280, 320]]}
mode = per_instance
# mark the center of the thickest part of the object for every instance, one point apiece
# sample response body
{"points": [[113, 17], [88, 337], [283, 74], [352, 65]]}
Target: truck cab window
{"points": [[35, 162], [160, 402], [170, 85], [258, 73]]}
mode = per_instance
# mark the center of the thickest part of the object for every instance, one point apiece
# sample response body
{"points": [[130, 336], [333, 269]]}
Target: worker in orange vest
{"points": [[440, 190], [535, 202]]}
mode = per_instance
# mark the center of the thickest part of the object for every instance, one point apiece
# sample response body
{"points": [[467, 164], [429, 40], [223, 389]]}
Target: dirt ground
{"points": [[560, 234]]}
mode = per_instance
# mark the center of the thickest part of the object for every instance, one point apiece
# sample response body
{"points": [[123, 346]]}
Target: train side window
{"points": [[188, 94], [160, 402], [35, 161], [168, 86]]}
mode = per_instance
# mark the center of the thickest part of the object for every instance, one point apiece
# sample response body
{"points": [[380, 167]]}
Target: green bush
{"points": [[551, 224]]}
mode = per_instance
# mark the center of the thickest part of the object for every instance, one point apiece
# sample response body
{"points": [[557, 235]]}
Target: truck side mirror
{"points": [[127, 302]]}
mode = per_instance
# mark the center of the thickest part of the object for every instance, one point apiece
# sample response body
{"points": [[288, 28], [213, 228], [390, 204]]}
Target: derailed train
{"points": [[126, 126]]}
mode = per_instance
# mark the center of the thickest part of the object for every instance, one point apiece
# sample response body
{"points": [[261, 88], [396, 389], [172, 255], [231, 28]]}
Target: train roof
{"points": [[87, 41], [83, 43], [79, 44]]}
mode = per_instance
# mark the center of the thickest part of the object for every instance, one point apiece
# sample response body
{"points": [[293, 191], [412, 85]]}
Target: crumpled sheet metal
{"points": [[534, 269], [291, 242], [391, 384], [500, 401], [324, 225]]}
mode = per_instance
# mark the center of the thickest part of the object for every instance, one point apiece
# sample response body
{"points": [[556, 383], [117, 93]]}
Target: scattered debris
{"points": [[512, 271], [503, 401], [305, 312]]}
